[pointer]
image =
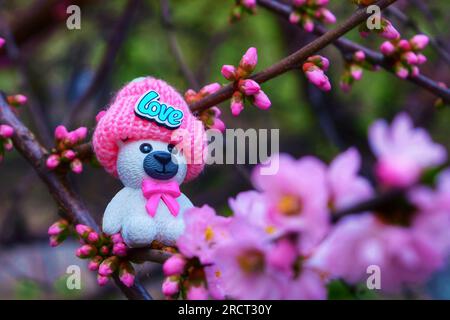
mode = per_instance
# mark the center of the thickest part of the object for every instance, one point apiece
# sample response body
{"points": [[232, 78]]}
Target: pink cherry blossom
{"points": [[197, 293], [346, 187], [204, 230], [404, 255], [242, 259], [299, 205], [252, 207], [402, 151]]}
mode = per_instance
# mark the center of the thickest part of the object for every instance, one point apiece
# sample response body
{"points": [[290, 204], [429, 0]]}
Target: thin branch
{"points": [[66, 198], [294, 60], [347, 46], [117, 38]]}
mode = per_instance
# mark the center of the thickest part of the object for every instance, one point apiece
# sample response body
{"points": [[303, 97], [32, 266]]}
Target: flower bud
{"points": [[170, 286], [229, 72], [77, 166], [419, 42], [61, 132], [68, 154], [104, 250], [58, 227], [359, 56], [401, 71], [17, 100], [95, 263], [298, 3], [86, 251], [249, 60], [93, 237], [294, 17], [387, 48], [119, 249], [249, 87], [237, 103], [2, 42], [83, 230], [52, 161], [174, 265], [261, 100], [126, 274], [80, 133], [116, 238], [6, 131], [356, 72], [308, 24], [388, 31], [102, 280], [108, 266], [249, 4], [210, 89]]}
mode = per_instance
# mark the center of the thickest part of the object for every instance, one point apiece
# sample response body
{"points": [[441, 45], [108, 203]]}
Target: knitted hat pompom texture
{"points": [[120, 123]]}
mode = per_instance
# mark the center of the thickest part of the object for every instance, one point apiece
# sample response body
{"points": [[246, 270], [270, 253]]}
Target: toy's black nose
{"points": [[162, 157]]}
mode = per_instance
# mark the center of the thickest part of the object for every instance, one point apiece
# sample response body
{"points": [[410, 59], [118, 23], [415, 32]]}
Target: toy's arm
{"points": [[112, 218]]}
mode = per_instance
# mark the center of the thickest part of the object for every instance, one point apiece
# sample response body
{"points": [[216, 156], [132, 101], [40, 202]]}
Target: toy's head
{"points": [[149, 132]]}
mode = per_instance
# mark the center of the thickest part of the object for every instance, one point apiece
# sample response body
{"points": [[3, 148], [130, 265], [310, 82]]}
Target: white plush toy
{"points": [[134, 140]]}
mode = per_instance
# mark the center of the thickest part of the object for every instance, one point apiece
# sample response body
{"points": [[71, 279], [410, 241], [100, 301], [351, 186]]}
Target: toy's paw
{"points": [[139, 233]]}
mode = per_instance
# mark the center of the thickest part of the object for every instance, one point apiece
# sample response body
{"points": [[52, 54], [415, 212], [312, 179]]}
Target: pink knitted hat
{"points": [[120, 123]]}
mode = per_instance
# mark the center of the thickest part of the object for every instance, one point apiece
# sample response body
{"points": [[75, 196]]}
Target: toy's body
{"points": [[126, 213], [134, 141]]}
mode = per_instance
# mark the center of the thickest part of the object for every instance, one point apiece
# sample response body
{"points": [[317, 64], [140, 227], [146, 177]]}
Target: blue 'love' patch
{"points": [[149, 107]]}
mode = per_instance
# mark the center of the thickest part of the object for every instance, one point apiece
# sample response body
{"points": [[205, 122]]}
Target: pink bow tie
{"points": [[154, 191]]}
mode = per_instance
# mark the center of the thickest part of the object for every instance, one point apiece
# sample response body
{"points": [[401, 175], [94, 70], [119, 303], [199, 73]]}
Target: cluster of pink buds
{"points": [[16, 100], [305, 11], [211, 116], [6, 132], [354, 70], [184, 276], [106, 253], [314, 69], [405, 55], [64, 153], [241, 7], [244, 87]]}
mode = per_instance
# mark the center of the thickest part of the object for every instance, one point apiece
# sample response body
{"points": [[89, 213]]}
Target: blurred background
{"points": [[69, 75]]}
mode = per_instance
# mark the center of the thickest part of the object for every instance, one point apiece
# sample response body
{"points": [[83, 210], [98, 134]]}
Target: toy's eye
{"points": [[170, 147], [146, 148]]}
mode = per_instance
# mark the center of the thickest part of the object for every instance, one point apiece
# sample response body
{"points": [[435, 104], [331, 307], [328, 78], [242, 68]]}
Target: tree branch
{"points": [[65, 197], [346, 46], [294, 60]]}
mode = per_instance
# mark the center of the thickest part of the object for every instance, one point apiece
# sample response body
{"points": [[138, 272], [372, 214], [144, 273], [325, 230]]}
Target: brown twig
{"points": [[58, 186], [294, 60], [347, 46]]}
